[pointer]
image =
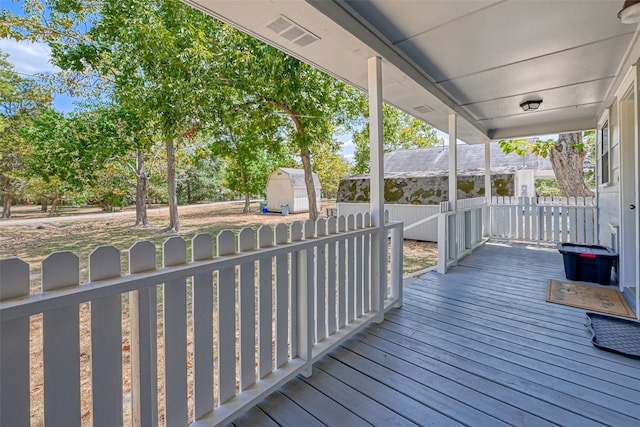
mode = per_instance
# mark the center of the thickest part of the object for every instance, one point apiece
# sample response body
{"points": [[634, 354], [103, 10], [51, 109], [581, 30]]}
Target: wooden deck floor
{"points": [[479, 346]]}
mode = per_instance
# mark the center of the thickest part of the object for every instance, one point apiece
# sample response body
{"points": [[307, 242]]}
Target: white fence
{"points": [[545, 219], [460, 231], [411, 215], [222, 331]]}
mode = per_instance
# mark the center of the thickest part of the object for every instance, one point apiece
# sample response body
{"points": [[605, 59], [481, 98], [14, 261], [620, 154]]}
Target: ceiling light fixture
{"points": [[531, 105], [630, 13]]}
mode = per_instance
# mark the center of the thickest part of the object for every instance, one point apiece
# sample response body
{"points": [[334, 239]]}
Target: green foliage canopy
{"points": [[401, 132]]}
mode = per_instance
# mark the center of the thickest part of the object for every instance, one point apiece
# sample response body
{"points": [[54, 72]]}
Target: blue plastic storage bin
{"points": [[587, 263]]}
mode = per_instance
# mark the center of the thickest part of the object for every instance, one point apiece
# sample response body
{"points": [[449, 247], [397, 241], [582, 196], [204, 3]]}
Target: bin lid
{"points": [[593, 250]]}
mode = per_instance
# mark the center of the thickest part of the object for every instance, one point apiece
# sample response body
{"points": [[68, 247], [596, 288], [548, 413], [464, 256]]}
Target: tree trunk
{"points": [[54, 204], [141, 191], [44, 203], [567, 160], [305, 156], [174, 220], [6, 197], [247, 200]]}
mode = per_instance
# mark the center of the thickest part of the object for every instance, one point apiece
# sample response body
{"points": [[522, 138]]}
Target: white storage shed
{"points": [[287, 186]]}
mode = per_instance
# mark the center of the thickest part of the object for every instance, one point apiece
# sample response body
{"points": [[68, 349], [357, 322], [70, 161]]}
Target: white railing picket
{"points": [[589, 224], [174, 303], [366, 267], [61, 344], [265, 301], [573, 221], [282, 298], [520, 215], [247, 307], [557, 214], [106, 341], [203, 288], [359, 294], [351, 271], [321, 286], [331, 278], [144, 342], [226, 244], [549, 212], [14, 347], [580, 218], [295, 233], [305, 302], [342, 274]]}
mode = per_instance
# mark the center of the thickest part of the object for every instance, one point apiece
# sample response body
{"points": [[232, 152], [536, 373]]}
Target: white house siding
{"points": [[609, 194]]}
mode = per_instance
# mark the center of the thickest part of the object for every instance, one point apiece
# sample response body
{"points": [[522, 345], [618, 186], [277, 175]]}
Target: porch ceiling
{"points": [[479, 58]]}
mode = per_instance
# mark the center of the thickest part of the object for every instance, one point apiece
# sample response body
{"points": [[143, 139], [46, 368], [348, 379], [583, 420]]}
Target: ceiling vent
{"points": [[291, 31], [423, 109]]}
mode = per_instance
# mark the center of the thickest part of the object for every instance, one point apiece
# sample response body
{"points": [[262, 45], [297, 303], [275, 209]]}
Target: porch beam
{"points": [[453, 161], [376, 198]]}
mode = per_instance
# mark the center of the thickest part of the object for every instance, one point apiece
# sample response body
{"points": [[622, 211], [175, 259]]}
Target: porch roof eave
{"points": [[349, 33]]}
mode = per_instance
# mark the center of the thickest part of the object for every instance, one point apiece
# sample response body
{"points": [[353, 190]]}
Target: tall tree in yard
{"points": [[249, 137], [68, 151], [21, 101], [312, 101], [158, 57], [567, 156]]}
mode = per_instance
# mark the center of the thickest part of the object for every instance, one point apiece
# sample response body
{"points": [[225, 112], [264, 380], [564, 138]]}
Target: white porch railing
{"points": [[545, 219], [413, 217], [258, 313], [459, 231]]}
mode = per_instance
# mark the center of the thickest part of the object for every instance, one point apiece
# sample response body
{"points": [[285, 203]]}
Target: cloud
{"points": [[348, 143], [28, 58], [348, 157]]}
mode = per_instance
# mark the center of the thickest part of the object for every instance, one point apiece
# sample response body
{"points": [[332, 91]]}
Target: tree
{"points": [[165, 53], [158, 58], [68, 151], [21, 101], [313, 101], [249, 137], [202, 179], [401, 132], [567, 156], [330, 167]]}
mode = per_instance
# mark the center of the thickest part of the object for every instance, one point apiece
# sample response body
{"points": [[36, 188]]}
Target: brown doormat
{"points": [[593, 298]]}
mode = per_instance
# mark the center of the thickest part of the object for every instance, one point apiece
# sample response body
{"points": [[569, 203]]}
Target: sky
{"points": [[29, 59], [32, 58]]}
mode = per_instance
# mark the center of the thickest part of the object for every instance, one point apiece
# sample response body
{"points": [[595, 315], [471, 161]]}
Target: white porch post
{"points": [[453, 161], [452, 236], [487, 187], [376, 197]]}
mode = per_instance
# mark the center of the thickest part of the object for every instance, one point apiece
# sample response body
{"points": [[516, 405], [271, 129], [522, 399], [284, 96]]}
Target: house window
{"points": [[605, 168]]}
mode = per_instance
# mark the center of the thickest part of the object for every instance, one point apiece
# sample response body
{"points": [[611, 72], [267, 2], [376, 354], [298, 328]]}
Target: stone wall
{"points": [[424, 188]]}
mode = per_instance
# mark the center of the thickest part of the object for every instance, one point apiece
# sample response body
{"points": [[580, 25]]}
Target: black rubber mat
{"points": [[615, 334]]}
